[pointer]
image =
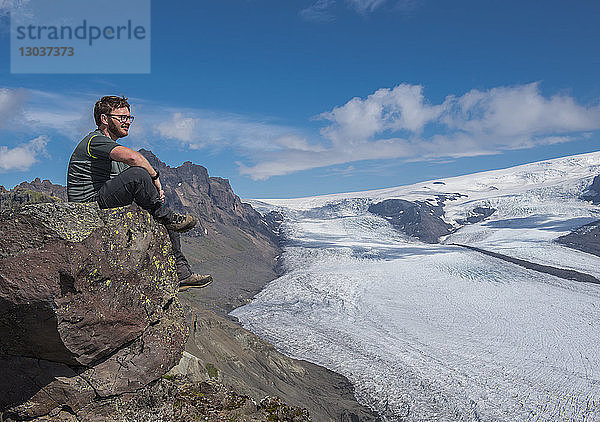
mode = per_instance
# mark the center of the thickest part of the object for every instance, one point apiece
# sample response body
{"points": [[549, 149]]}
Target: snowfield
{"points": [[437, 332]]}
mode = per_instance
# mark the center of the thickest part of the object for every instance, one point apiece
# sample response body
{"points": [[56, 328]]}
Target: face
{"points": [[115, 126]]}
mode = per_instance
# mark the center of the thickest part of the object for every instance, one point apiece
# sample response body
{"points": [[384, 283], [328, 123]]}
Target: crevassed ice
{"points": [[434, 332]]}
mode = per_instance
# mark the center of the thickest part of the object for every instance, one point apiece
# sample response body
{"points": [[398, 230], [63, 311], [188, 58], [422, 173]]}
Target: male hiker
{"points": [[102, 170]]}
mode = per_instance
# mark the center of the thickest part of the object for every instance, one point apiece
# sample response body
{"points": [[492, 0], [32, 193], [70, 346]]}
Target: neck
{"points": [[106, 132]]}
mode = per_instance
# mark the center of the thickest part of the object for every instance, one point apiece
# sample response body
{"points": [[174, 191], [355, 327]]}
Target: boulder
{"points": [[88, 305]]}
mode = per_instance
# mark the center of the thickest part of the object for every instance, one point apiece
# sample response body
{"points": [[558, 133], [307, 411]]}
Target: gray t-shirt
{"points": [[90, 167]]}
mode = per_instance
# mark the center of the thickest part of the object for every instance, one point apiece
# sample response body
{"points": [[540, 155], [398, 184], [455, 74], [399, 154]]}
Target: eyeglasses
{"points": [[122, 117]]}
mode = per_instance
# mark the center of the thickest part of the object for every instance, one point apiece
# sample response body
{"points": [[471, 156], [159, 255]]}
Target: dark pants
{"points": [[135, 185]]}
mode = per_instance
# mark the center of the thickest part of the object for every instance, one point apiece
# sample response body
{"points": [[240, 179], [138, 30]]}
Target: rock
{"points": [[417, 219], [592, 193], [46, 187], [19, 197], [585, 238], [88, 305], [175, 399], [477, 215], [188, 188]]}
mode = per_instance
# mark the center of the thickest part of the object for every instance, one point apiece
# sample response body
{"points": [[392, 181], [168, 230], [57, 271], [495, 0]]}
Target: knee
{"points": [[138, 173]]}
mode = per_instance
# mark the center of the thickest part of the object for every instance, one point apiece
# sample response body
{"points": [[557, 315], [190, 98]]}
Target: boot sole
{"points": [[194, 286]]}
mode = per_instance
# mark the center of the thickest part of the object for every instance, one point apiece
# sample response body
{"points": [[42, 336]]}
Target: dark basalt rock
{"points": [[418, 219], [87, 305], [592, 193], [273, 220], [478, 214], [585, 238]]}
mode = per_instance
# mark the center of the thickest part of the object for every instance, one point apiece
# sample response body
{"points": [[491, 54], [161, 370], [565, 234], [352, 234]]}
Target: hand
{"points": [[161, 192]]}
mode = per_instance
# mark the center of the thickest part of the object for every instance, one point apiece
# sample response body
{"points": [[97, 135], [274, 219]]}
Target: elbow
{"points": [[135, 159]]}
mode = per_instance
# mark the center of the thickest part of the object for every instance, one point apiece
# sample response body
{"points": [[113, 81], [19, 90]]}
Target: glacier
{"points": [[436, 332]]}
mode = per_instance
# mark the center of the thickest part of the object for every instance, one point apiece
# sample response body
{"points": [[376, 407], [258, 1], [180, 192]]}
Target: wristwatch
{"points": [[156, 175]]}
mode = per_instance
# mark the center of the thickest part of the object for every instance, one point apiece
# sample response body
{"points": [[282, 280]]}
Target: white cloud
{"points": [[11, 105], [22, 157], [402, 123], [320, 11], [179, 127], [196, 129], [403, 107]]}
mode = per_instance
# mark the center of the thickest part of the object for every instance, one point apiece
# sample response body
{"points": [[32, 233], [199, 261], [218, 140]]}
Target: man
{"points": [[113, 175]]}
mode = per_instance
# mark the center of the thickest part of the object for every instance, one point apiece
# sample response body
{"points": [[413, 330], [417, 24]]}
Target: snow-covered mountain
{"points": [[437, 331]]}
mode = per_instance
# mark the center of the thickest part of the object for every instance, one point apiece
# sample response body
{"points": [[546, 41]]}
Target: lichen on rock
{"points": [[88, 305]]}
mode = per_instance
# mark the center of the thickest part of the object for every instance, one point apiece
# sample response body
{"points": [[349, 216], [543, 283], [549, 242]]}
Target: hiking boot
{"points": [[181, 223], [195, 280]]}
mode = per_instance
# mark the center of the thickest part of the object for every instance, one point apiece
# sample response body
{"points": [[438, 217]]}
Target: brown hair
{"points": [[107, 104]]}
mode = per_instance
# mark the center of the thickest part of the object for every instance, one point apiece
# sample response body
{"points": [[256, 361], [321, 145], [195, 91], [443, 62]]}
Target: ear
{"points": [[104, 119]]}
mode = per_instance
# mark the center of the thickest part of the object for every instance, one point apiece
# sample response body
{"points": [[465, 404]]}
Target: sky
{"points": [[305, 97]]}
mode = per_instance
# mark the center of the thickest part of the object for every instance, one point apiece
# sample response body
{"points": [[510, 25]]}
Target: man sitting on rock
{"points": [[113, 175]]}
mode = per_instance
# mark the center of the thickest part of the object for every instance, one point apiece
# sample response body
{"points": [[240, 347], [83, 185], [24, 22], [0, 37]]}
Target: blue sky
{"points": [[300, 97]]}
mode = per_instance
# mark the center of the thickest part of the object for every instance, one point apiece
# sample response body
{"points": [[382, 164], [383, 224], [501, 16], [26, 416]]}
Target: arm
{"points": [[134, 158], [131, 158]]}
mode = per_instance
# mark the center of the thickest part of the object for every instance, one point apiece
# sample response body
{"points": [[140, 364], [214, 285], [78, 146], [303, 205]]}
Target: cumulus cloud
{"points": [[22, 157], [402, 123]]}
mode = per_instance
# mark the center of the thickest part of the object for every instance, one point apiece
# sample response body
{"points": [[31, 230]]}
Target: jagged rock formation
{"points": [[88, 306], [46, 187], [188, 188], [418, 219], [18, 197]]}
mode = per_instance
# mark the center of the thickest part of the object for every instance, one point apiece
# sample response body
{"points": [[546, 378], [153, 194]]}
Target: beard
{"points": [[116, 128]]}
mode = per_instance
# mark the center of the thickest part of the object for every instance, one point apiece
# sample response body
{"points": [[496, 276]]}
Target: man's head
{"points": [[111, 116]]}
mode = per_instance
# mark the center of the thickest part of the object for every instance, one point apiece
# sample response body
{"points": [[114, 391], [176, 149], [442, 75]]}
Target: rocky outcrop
{"points": [[46, 187], [417, 219], [476, 215], [592, 193], [240, 251], [221, 350], [176, 399], [585, 238], [17, 197], [88, 306]]}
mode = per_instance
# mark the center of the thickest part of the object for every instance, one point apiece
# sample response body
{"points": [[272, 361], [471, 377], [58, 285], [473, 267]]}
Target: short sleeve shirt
{"points": [[90, 167]]}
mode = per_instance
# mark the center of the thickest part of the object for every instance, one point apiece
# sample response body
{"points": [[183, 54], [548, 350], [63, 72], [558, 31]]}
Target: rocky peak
{"points": [[46, 187], [189, 188]]}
